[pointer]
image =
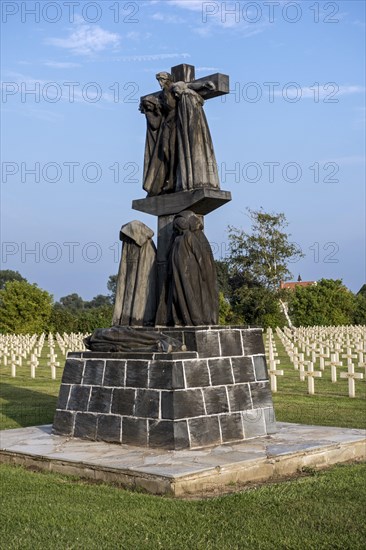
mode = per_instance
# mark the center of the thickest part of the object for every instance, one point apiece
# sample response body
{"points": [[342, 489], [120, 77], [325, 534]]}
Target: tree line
{"points": [[248, 281]]}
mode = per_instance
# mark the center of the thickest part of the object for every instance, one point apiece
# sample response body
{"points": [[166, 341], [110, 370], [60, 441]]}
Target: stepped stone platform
{"points": [[201, 472], [215, 392]]}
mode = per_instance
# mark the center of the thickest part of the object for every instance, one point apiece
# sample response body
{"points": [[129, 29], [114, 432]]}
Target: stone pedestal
{"points": [[216, 392], [200, 201]]}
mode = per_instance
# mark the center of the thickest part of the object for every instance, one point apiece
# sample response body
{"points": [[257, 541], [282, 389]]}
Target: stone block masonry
{"points": [[217, 392]]}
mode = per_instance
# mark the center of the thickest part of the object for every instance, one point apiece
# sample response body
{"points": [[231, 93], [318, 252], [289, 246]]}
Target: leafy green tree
{"points": [[7, 275], [227, 316], [359, 314], [259, 306], [256, 265], [328, 302], [24, 308], [362, 290], [91, 319], [223, 277], [261, 257], [98, 301], [112, 287], [63, 320], [73, 302]]}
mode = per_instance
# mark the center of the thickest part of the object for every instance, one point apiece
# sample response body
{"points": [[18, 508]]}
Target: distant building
{"points": [[293, 284]]}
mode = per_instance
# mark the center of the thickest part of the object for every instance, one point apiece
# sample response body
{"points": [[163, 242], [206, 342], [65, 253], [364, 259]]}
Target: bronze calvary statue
{"points": [[175, 284]]}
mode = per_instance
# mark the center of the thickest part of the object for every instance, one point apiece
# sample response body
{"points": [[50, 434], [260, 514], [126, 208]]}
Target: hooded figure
{"points": [[136, 283], [193, 296], [160, 163], [197, 166]]}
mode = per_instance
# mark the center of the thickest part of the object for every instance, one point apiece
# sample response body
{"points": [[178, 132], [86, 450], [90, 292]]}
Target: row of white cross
{"points": [[16, 348], [328, 346]]}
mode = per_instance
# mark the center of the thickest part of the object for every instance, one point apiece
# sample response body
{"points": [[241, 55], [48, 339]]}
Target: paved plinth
{"points": [[217, 392], [185, 472]]}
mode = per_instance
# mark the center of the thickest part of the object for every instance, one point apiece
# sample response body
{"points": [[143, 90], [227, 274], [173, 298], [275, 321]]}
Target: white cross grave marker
{"points": [[311, 374], [333, 364], [352, 376], [273, 373]]}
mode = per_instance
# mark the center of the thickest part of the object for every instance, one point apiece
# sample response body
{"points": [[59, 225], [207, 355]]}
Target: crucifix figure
{"points": [[179, 154]]}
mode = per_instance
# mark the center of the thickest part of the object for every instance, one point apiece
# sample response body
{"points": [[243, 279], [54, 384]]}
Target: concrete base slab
{"points": [[186, 472]]}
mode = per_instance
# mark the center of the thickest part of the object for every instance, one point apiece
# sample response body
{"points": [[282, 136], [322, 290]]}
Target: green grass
{"points": [[25, 401], [330, 406], [324, 510]]}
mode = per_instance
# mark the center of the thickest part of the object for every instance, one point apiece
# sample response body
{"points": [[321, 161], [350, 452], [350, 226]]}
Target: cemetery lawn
{"points": [[25, 401], [330, 406], [322, 510]]}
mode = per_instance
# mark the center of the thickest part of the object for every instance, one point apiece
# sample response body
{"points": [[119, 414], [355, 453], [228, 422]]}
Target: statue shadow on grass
{"points": [[25, 407]]}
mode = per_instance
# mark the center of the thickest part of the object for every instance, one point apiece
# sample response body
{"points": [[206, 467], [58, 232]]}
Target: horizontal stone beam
{"points": [[200, 201]]}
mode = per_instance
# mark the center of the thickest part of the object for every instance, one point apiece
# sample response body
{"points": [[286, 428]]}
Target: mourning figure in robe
{"points": [[192, 295], [151, 108], [160, 162], [197, 166], [136, 296]]}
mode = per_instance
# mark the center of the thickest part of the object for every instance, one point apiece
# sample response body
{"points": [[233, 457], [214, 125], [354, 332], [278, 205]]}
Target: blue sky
{"points": [[289, 138]]}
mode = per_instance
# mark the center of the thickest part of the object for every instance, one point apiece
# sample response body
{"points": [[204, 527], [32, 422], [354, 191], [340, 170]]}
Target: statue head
{"points": [[164, 79], [195, 223], [181, 223], [149, 103], [178, 88], [187, 220]]}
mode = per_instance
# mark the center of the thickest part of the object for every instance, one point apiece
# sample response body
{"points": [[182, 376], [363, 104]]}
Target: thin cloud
{"points": [[38, 113], [216, 20], [61, 65], [243, 28], [166, 18], [206, 69], [194, 5], [330, 91], [152, 57], [86, 40], [137, 36], [351, 160], [29, 83]]}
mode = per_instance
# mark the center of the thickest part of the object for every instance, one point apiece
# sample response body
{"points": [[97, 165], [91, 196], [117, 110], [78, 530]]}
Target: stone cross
{"points": [[361, 350], [352, 376], [333, 364], [311, 374], [322, 355], [302, 363], [13, 365], [295, 358], [349, 356], [273, 373], [186, 73], [52, 363], [362, 366], [33, 364]]}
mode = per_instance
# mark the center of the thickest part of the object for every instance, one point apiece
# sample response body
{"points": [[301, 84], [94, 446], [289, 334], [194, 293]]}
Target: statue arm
{"points": [[205, 85]]}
